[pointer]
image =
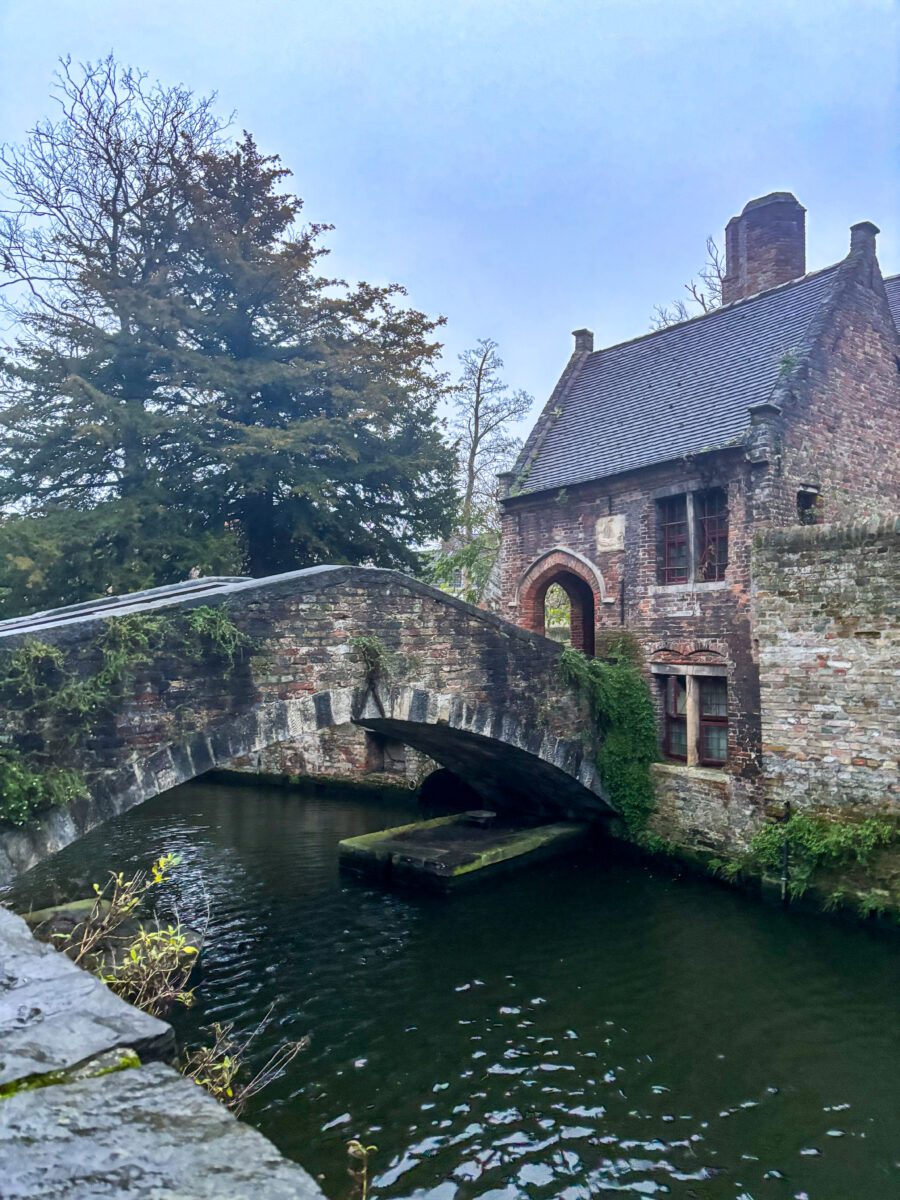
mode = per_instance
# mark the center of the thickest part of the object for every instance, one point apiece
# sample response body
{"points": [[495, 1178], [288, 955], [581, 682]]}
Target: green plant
{"points": [[835, 899], [622, 712], [653, 843], [787, 363], [372, 653], [116, 902], [25, 791], [214, 630], [153, 972], [726, 868], [358, 1170], [815, 841], [51, 698], [871, 904], [219, 1065]]}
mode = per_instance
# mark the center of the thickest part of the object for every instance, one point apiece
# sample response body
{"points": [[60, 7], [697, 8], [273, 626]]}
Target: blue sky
{"points": [[523, 167]]}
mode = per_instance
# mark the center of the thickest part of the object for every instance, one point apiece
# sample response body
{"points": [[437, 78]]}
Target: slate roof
{"points": [[892, 287], [679, 391]]}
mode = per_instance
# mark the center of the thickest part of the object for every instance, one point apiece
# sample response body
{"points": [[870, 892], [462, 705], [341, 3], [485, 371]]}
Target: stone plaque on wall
{"points": [[610, 533]]}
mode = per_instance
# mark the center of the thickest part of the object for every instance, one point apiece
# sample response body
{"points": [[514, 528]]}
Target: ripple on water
{"points": [[582, 1030]]}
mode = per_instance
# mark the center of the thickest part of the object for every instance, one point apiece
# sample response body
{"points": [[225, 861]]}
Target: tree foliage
{"points": [[182, 366]]}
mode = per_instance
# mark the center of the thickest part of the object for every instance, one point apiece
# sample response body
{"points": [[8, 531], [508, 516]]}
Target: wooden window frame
{"points": [[672, 718], [670, 541], [705, 721], [711, 534]]}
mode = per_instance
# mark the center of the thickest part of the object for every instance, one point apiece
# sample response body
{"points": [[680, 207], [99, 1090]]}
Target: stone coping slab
{"points": [[145, 1134], [54, 1016]]}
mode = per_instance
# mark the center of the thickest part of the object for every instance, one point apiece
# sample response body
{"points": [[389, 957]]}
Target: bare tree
{"points": [[485, 412], [92, 198], [703, 293]]}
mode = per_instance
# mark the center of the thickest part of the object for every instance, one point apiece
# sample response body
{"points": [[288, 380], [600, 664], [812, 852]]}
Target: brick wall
{"points": [[826, 604], [841, 408], [613, 525]]}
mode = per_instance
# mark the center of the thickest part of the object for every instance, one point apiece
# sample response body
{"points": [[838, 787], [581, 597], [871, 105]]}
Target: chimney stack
{"points": [[764, 246], [584, 341]]}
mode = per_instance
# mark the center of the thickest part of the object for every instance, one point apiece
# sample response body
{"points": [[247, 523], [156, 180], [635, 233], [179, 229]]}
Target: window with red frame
{"points": [[675, 740], [713, 746], [674, 549], [711, 521]]}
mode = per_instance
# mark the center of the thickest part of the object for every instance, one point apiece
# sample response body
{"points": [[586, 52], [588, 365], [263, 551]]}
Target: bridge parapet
{"points": [[477, 694]]}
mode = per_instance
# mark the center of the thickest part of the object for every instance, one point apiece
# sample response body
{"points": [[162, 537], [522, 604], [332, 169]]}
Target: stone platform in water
{"points": [[447, 851]]}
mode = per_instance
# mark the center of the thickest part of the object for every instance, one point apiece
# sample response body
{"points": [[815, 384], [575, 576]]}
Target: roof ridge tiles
{"points": [[722, 308]]}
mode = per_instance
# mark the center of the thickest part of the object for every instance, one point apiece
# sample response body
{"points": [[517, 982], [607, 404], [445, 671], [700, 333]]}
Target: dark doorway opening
{"points": [[566, 590]]}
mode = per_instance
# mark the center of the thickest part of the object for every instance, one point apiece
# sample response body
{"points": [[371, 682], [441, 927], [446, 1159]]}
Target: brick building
{"points": [[655, 462]]}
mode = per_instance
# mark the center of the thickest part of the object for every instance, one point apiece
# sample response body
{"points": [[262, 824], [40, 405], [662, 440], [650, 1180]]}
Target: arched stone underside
{"points": [[488, 748], [507, 764], [480, 696]]}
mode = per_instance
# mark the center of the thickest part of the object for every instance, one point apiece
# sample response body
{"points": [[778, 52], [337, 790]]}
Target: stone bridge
{"points": [[478, 695]]}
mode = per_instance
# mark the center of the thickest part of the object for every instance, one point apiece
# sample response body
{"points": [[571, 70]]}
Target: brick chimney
{"points": [[764, 246]]}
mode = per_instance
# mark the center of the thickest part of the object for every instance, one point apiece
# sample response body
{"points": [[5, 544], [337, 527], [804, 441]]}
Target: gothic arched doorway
{"points": [[558, 597]]}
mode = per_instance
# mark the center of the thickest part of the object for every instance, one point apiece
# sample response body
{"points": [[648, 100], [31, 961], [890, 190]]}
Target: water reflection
{"points": [[584, 1029]]}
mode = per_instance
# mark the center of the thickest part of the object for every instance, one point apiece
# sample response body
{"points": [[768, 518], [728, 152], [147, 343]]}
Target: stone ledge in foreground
{"points": [[141, 1133], [54, 1016]]}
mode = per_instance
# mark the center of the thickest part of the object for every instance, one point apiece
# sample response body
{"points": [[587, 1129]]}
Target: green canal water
{"points": [[584, 1028]]}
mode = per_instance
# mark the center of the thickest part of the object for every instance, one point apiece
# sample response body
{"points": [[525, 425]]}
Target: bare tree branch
{"points": [[704, 294]]}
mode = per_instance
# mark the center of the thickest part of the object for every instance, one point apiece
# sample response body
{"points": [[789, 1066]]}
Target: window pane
{"points": [[677, 738], [714, 743], [676, 696], [711, 517], [713, 698], [673, 565]]}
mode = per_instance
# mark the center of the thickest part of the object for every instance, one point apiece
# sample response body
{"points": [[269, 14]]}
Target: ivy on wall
{"points": [[622, 712], [50, 703]]}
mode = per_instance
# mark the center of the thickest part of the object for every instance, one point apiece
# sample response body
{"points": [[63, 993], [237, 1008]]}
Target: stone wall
{"points": [[344, 752], [826, 605]]}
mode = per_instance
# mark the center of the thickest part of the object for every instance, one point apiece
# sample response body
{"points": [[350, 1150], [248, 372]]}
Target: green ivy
{"points": [[623, 716], [814, 842], [372, 653], [25, 791], [48, 698], [214, 632]]}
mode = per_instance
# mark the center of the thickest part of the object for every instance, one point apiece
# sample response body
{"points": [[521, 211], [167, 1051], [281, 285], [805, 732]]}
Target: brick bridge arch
{"points": [[479, 695]]}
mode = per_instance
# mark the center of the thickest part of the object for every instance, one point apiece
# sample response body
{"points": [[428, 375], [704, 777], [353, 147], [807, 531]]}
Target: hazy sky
{"points": [[523, 167]]}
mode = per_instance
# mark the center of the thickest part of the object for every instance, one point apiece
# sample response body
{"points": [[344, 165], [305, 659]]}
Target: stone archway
{"points": [[583, 585], [490, 748]]}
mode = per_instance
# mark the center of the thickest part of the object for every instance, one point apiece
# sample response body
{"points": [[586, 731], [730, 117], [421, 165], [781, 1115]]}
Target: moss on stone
{"points": [[106, 1064]]}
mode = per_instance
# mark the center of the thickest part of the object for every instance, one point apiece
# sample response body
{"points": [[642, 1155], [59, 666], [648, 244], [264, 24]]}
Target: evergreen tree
{"points": [[180, 361], [317, 402]]}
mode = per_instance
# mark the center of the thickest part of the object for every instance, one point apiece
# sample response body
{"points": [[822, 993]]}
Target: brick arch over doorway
{"points": [[578, 578]]}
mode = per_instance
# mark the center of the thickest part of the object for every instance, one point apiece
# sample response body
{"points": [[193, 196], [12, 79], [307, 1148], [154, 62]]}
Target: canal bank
{"points": [[90, 1104], [594, 1024]]}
